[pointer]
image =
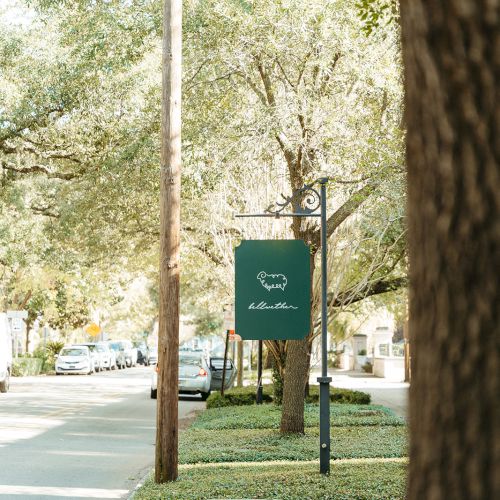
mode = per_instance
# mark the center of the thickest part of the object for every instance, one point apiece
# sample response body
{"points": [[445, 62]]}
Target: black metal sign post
{"points": [[305, 202], [258, 398]]}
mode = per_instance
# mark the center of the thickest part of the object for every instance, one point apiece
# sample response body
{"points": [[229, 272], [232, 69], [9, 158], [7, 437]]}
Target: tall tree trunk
{"points": [[296, 376], [292, 415], [451, 52], [29, 324], [170, 199]]}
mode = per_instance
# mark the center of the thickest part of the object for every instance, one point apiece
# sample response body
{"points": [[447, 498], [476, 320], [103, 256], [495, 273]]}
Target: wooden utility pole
{"points": [[170, 196]]}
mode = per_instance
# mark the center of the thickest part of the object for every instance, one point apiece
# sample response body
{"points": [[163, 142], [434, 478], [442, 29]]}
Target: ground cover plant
{"points": [[256, 445], [226, 449], [268, 417], [373, 480]]}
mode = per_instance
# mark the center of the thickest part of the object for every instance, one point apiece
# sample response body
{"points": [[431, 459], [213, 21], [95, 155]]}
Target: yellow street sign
{"points": [[93, 329]]}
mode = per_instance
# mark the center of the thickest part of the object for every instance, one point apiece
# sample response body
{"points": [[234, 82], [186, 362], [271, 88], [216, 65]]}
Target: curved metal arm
{"points": [[304, 201]]}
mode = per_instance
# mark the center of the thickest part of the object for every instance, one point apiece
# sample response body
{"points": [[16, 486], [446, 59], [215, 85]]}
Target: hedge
{"points": [[242, 396], [25, 367]]}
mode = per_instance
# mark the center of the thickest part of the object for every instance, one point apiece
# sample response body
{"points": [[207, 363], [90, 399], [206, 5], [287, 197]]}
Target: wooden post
{"points": [[170, 190], [223, 383], [240, 363]]}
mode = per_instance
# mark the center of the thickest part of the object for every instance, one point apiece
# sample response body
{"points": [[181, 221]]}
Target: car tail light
{"points": [[157, 368], [202, 373]]}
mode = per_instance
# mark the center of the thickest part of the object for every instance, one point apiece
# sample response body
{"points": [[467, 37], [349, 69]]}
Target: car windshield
{"points": [[190, 360], [115, 346], [73, 352], [100, 348], [218, 363]]}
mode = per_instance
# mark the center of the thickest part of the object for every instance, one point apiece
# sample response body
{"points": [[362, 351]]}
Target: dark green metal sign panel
{"points": [[273, 290]]}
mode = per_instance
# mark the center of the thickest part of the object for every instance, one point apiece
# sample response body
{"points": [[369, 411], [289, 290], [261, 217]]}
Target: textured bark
{"points": [[451, 51], [170, 193], [296, 370], [295, 379]]}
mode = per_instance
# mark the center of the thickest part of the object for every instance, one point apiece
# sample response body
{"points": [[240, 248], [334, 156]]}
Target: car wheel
{"points": [[4, 386], [153, 393], [204, 395]]}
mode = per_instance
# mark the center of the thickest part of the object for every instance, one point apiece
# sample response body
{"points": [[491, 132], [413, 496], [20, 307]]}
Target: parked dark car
{"points": [[142, 353]]}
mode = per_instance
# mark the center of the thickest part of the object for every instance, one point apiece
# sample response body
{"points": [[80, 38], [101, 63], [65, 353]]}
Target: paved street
{"points": [[78, 436]]}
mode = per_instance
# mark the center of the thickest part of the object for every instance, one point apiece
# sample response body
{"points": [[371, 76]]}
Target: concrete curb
{"points": [[139, 484]]}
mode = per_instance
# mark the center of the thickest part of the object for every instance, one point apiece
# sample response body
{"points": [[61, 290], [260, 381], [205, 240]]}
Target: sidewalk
{"points": [[394, 395]]}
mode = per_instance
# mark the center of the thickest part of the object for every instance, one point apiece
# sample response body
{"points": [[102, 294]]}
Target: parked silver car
{"points": [[194, 375]]}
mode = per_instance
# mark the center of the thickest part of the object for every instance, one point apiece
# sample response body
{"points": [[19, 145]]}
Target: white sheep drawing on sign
{"points": [[271, 281]]}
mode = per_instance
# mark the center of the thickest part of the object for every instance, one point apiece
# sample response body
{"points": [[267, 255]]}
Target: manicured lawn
{"points": [[268, 417], [353, 481], [238, 452], [257, 445]]}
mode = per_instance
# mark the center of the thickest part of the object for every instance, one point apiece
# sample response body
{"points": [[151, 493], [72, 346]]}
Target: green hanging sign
{"points": [[273, 290]]}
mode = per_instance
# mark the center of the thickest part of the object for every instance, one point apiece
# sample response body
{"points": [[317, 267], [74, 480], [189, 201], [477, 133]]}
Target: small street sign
{"points": [[17, 324], [273, 289], [93, 329], [234, 337], [23, 314]]}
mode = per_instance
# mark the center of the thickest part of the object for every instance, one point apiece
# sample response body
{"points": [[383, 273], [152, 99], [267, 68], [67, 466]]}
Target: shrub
{"points": [[242, 396], [24, 367], [367, 367], [338, 395]]}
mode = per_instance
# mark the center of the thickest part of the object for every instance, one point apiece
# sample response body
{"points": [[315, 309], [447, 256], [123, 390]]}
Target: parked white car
{"points": [[5, 353], [108, 356], [94, 352], [75, 359]]}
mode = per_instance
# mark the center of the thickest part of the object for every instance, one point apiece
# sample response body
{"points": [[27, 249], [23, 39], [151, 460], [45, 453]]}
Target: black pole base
{"points": [[324, 424]]}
